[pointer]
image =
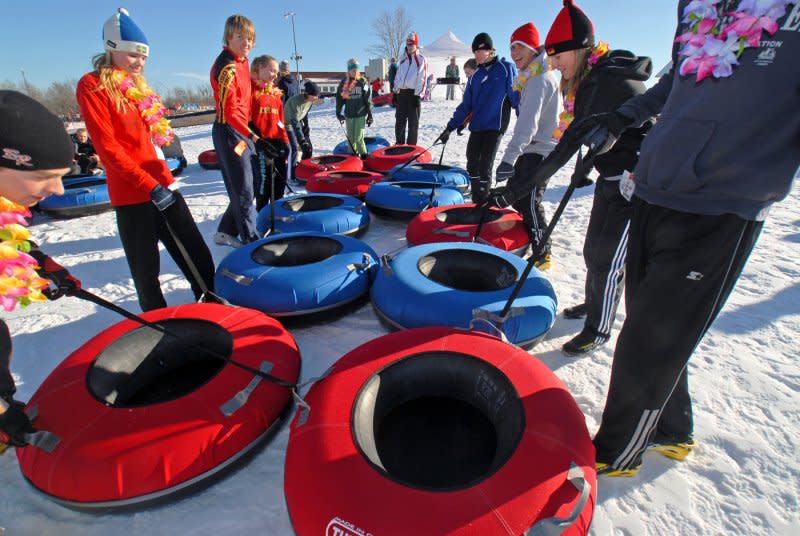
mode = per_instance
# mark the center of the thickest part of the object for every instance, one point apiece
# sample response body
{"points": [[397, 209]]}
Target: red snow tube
{"points": [[208, 159], [343, 182], [382, 100], [386, 158], [470, 434], [502, 228], [138, 414], [311, 166]]}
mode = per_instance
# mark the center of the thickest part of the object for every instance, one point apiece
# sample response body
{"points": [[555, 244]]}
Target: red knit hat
{"points": [[413, 37], [571, 30], [526, 35]]}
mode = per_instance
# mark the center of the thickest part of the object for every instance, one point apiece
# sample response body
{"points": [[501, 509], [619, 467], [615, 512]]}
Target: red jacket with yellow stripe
{"points": [[230, 79], [267, 112], [122, 140]]}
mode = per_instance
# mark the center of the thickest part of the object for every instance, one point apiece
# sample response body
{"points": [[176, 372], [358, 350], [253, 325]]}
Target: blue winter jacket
{"points": [[724, 145], [484, 95]]}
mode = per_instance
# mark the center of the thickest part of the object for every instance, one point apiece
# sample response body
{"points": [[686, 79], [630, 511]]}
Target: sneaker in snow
{"points": [[543, 262], [576, 311], [674, 450], [224, 239], [607, 470], [584, 342]]}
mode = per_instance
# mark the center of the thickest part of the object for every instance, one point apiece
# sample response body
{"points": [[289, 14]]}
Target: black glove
{"points": [[501, 198], [269, 150], [15, 424], [305, 145], [283, 152], [65, 283], [504, 172], [369, 120], [444, 136], [600, 131], [340, 117], [162, 198]]}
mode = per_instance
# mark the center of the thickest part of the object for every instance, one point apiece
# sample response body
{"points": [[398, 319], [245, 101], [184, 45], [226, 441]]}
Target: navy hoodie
{"points": [[486, 92], [725, 145]]}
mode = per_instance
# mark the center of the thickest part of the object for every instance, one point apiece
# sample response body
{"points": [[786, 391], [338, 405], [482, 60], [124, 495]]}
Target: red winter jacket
{"points": [[230, 79], [267, 112], [123, 142]]}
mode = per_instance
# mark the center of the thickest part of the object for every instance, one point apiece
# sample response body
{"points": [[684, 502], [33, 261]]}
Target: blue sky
{"points": [[54, 40]]}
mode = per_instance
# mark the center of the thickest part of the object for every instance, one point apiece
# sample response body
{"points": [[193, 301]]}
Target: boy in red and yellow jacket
{"points": [[269, 163]]}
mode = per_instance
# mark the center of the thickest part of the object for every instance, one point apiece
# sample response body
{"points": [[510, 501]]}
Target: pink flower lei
{"points": [[149, 105], [715, 41], [19, 281], [566, 117]]}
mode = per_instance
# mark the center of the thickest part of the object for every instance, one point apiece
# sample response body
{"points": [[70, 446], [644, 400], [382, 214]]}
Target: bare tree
{"points": [[390, 29], [60, 98]]}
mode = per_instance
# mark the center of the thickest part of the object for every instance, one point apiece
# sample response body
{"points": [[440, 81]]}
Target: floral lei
{"points": [[711, 46], [527, 74], [266, 88], [566, 117], [19, 282], [347, 87], [148, 103]]}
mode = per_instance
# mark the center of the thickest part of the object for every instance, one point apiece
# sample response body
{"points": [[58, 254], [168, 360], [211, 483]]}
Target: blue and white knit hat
{"points": [[121, 34]]}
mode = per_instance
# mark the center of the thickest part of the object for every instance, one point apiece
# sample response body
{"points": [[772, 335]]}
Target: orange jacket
{"points": [[230, 79], [123, 142], [267, 112]]}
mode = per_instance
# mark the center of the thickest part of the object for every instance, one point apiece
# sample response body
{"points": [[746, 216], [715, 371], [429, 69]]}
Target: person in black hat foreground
{"points": [[35, 152], [595, 79], [488, 97], [708, 173]]}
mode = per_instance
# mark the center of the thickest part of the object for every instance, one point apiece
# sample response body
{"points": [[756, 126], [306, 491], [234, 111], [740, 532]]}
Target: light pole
{"points": [[296, 57]]}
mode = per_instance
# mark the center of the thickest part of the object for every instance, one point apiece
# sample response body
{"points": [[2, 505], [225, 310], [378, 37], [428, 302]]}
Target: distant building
{"points": [[327, 81]]}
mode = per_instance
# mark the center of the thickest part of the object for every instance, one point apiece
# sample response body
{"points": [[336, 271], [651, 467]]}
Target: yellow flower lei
{"points": [[19, 281], [566, 117], [148, 103], [529, 73]]}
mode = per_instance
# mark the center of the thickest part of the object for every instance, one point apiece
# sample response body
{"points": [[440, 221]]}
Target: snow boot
{"points": [[674, 450]]}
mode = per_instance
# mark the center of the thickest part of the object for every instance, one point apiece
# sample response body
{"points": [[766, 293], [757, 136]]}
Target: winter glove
{"points": [[305, 145], [504, 172], [444, 136], [600, 131], [501, 198], [65, 283], [340, 117], [14, 423], [161, 197], [369, 120], [269, 150]]}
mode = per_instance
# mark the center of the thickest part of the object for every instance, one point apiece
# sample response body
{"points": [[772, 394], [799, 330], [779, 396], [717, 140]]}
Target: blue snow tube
{"points": [[410, 197], [174, 164], [440, 174], [297, 273], [328, 213], [83, 195], [456, 284], [373, 143]]}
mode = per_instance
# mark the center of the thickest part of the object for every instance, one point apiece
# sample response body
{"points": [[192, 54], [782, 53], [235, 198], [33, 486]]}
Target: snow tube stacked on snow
{"points": [[208, 159], [373, 143], [407, 197], [297, 273], [316, 164], [383, 100], [440, 174], [501, 228], [452, 284], [472, 435], [329, 213], [386, 158], [136, 414], [83, 195], [343, 182]]}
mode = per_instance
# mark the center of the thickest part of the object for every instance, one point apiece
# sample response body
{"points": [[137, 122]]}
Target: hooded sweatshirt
{"points": [[725, 145], [486, 92]]}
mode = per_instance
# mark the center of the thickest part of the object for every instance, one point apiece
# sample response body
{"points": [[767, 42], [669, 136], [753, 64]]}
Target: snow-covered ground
{"points": [[743, 478]]}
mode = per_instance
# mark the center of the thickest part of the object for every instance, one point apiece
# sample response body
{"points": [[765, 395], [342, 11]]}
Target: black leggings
{"points": [[141, 227], [481, 150]]}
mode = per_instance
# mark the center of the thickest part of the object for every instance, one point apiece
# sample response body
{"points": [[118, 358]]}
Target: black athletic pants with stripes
{"points": [[481, 150], [530, 206], [681, 269], [141, 226], [604, 252]]}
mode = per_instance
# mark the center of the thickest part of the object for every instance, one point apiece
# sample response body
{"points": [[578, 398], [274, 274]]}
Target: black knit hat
{"points": [[571, 30], [311, 88], [482, 41], [31, 138]]}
